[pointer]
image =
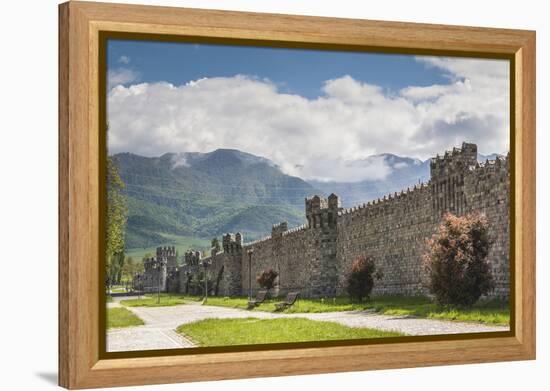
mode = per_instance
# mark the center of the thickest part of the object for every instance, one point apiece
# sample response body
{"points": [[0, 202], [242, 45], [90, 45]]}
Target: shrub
{"points": [[266, 279], [360, 279], [456, 261]]}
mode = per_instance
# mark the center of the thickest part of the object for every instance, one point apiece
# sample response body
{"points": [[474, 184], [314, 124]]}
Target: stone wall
{"points": [[153, 277], [392, 230], [315, 258], [289, 253], [192, 271], [487, 188]]}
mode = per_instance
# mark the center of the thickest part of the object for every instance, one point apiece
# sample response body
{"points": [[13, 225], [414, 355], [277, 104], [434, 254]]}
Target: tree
{"points": [[131, 268], [215, 245], [117, 216], [116, 268], [266, 279], [360, 279], [456, 261]]}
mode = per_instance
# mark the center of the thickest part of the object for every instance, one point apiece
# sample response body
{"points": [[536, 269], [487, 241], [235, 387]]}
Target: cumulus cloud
{"points": [[327, 138], [121, 76], [400, 165]]}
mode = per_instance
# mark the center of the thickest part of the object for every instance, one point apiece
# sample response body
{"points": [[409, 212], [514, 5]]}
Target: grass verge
{"points": [[121, 317], [224, 332], [488, 311], [151, 300]]}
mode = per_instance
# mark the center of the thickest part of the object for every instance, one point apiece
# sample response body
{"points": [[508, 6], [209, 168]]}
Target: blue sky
{"points": [[317, 114], [295, 71]]}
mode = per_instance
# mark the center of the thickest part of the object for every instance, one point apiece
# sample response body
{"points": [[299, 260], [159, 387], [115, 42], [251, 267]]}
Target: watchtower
{"points": [[192, 258], [322, 216], [447, 178], [233, 258], [168, 254], [322, 212]]}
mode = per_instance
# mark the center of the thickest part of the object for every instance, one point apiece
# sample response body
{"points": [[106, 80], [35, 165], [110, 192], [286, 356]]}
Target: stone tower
{"points": [[233, 252], [168, 254], [447, 179], [154, 277], [321, 215]]}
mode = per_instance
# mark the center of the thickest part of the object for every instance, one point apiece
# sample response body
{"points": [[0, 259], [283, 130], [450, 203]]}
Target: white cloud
{"points": [[121, 76], [327, 138], [124, 60], [179, 160]]}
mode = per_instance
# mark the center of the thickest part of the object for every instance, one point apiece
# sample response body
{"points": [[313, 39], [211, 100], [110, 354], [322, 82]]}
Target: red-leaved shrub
{"points": [[266, 279], [360, 279], [456, 261]]}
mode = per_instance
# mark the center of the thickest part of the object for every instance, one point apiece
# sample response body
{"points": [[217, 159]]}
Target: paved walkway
{"points": [[160, 323]]}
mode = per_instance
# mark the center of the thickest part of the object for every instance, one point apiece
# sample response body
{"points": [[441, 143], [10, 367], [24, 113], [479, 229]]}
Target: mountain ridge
{"points": [[226, 190]]}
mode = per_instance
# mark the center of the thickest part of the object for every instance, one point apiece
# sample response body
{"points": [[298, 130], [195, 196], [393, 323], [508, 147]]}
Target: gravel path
{"points": [[160, 323]]}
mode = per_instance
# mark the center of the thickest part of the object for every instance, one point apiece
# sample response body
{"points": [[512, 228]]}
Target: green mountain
{"points": [[202, 195]]}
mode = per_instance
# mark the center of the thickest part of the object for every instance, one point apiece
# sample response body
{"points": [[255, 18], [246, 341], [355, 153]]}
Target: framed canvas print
{"points": [[330, 194]]}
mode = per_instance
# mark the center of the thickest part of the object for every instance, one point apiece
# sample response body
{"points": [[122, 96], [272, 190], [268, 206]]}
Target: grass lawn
{"points": [[223, 332], [121, 317], [118, 289], [166, 300], [490, 312], [487, 311]]}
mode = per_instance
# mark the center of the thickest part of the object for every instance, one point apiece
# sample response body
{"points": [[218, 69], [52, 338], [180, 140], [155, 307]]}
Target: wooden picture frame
{"points": [[81, 364]]}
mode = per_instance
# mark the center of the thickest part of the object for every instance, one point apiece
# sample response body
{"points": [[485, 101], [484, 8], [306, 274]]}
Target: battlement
{"points": [[148, 263], [388, 199], [498, 163], [279, 229], [232, 243], [458, 159], [321, 211], [295, 229], [192, 258], [168, 254], [165, 252], [257, 241], [316, 203]]}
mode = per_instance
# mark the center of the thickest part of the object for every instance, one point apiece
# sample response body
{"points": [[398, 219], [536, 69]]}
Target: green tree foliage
{"points": [[117, 215], [266, 279], [360, 279], [199, 200], [130, 268], [215, 244], [116, 268], [456, 260]]}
